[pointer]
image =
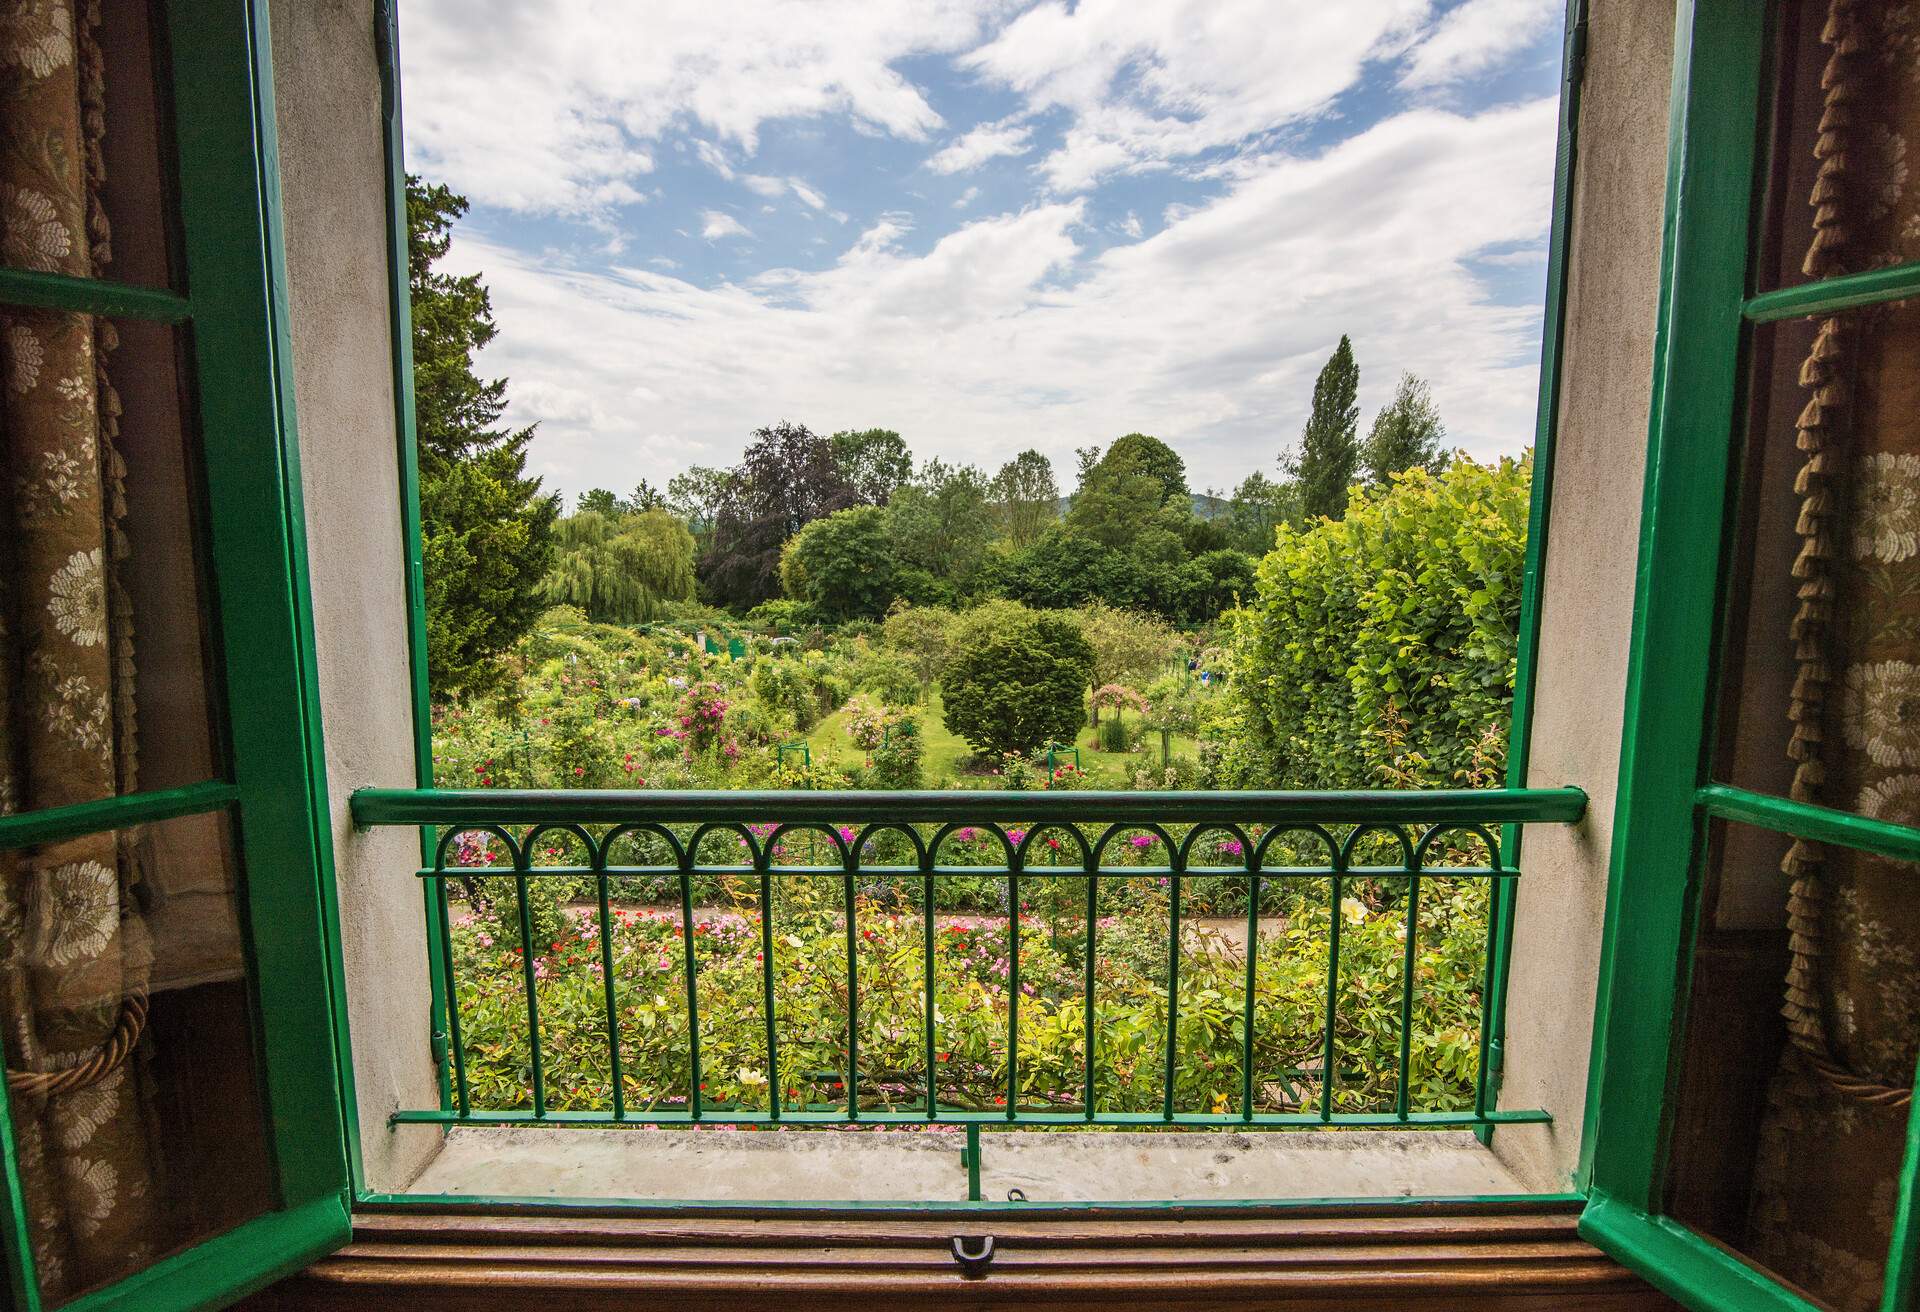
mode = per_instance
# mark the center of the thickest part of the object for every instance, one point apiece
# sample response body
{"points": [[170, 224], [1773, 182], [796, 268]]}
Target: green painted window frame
{"points": [[1666, 796], [234, 310]]}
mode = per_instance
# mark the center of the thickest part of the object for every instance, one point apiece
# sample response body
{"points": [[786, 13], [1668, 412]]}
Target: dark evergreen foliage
{"points": [[486, 528], [1329, 447]]}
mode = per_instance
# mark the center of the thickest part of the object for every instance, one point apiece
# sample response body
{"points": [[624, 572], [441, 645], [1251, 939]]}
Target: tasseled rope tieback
{"points": [[1819, 436], [105, 1060]]}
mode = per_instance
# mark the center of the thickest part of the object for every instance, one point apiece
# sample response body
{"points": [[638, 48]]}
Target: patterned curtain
{"points": [[1838, 1106], [73, 954]]}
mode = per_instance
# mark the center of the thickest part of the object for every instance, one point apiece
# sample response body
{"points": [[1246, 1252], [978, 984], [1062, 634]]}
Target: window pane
{"points": [[84, 181], [1779, 1148], [1867, 211], [130, 1047], [104, 631], [1822, 669]]}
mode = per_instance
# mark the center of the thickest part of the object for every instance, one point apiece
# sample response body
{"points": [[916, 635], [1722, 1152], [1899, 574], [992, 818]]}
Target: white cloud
{"points": [[717, 224], [1474, 37], [763, 185], [1010, 333], [967, 198], [808, 196], [1146, 84], [988, 141], [552, 108], [714, 158], [1131, 225]]}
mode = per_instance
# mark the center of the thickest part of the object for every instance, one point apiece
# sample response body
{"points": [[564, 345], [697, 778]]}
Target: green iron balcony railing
{"points": [[1328, 858]]}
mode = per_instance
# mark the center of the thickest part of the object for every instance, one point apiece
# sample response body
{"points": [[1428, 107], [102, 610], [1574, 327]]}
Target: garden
{"points": [[850, 961], [1375, 650]]}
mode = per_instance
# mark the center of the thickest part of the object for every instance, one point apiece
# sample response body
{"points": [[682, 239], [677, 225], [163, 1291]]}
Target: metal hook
{"points": [[1016, 1195], [974, 1264]]}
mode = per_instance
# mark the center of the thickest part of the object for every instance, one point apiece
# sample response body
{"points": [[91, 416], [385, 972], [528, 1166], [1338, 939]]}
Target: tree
{"points": [[1259, 506], [941, 522], [620, 568], [486, 529], [598, 501], [1120, 494], [1214, 582], [1329, 449], [874, 461], [842, 565], [920, 633], [786, 479], [1062, 570], [645, 497], [1026, 500], [1128, 647], [694, 498], [1152, 456], [1406, 434], [1017, 683]]}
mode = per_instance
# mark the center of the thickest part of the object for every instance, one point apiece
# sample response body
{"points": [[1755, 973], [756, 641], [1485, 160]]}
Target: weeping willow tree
{"points": [[620, 568]]}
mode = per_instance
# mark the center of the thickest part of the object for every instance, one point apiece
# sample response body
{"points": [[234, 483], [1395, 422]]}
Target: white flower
{"points": [[60, 472], [79, 913], [25, 355], [75, 389], [39, 36], [1895, 800], [1890, 152], [79, 714], [1899, 34], [91, 1187], [1880, 711], [84, 1111], [78, 599], [31, 233], [1886, 524]]}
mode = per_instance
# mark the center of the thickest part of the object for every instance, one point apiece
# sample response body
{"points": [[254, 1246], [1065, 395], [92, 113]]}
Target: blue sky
{"points": [[990, 224]]}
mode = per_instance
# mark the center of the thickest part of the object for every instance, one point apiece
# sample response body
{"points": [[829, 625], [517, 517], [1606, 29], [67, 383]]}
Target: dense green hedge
{"points": [[1379, 649]]}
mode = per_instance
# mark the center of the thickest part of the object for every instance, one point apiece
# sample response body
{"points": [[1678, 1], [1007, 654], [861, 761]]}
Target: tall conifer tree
{"points": [[1330, 447], [486, 529]]}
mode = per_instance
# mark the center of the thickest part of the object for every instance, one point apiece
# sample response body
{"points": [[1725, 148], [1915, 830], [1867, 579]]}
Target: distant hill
{"points": [[1205, 506]]}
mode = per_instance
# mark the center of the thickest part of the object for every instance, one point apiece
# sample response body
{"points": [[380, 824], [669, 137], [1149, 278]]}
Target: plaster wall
{"points": [[1587, 609], [333, 185]]}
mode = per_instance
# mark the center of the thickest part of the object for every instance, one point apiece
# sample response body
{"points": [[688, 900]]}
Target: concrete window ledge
{"points": [[916, 1166]]}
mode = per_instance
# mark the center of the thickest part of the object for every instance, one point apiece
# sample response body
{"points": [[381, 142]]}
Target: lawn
{"points": [[946, 750]]}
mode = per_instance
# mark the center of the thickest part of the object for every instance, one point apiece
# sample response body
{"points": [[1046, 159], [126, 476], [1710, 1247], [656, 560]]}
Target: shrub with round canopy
{"points": [[1017, 683]]}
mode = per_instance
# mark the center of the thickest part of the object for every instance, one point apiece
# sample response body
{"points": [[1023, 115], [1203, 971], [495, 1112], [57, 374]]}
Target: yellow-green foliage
{"points": [[1379, 649]]}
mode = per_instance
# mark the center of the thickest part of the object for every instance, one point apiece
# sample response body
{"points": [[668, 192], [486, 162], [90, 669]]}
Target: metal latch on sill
{"points": [[974, 1253]]}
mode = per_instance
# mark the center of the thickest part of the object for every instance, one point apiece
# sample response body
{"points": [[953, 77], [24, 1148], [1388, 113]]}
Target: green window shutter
{"points": [[232, 315], [1666, 801]]}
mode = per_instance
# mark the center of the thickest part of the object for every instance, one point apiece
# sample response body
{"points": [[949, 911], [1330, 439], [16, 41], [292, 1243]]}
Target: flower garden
{"points": [[884, 1059], [1377, 653]]}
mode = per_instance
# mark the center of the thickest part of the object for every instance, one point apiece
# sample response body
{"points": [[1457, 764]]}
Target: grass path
{"points": [[945, 750]]}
